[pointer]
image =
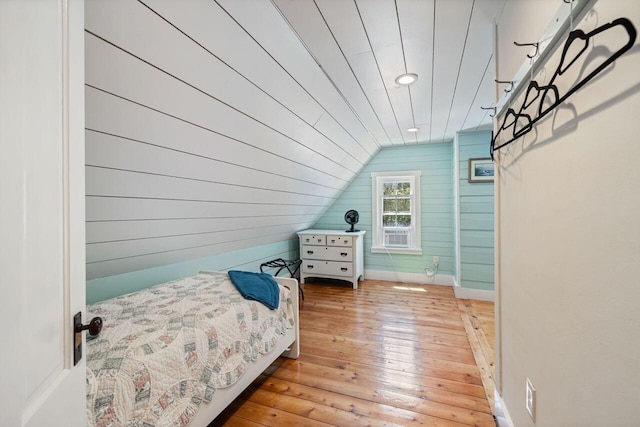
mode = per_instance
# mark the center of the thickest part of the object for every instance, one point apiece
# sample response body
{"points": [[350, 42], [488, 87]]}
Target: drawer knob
{"points": [[310, 267], [343, 253], [310, 252], [343, 268]]}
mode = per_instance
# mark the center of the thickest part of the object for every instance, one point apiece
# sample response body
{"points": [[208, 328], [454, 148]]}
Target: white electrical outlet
{"points": [[436, 260], [531, 400]]}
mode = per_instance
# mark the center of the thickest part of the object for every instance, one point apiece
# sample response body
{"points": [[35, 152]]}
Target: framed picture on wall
{"points": [[481, 170]]}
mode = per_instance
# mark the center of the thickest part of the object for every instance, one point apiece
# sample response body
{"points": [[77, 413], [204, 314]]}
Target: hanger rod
{"points": [[545, 53]]}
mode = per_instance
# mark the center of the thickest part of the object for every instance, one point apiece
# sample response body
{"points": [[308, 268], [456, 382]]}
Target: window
{"points": [[396, 212]]}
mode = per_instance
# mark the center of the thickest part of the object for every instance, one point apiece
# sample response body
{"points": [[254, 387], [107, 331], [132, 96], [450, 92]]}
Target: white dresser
{"points": [[332, 254]]}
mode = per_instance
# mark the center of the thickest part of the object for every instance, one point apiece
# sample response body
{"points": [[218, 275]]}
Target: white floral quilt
{"points": [[165, 350]]}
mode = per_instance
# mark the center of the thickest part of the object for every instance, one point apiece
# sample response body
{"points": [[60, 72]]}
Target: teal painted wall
{"points": [[437, 204], [476, 216], [245, 259], [437, 222]]}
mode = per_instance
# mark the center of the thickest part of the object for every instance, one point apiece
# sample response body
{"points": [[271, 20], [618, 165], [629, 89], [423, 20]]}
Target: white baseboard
{"points": [[439, 279], [468, 293], [502, 414], [392, 276]]}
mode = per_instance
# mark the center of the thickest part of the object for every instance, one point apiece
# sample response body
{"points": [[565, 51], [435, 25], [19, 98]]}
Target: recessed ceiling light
{"points": [[413, 129], [406, 79]]}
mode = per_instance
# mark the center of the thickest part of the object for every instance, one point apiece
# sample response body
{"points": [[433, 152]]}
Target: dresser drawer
{"points": [[320, 239], [339, 240], [327, 253], [312, 252], [330, 268]]}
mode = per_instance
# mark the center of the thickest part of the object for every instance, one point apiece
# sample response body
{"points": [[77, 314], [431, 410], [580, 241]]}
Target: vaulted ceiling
{"points": [[361, 46], [221, 125]]}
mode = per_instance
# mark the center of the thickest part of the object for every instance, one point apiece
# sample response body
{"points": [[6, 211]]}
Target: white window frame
{"points": [[415, 241]]}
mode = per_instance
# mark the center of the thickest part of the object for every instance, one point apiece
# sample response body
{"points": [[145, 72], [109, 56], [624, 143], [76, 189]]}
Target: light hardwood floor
{"points": [[385, 354]]}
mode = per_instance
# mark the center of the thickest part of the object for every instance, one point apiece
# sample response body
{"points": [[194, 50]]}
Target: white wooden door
{"points": [[41, 211]]}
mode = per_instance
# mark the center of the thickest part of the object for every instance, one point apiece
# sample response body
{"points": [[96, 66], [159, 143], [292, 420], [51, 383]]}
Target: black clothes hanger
{"points": [[548, 96]]}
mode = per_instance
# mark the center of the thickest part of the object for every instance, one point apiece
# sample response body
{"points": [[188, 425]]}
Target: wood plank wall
{"points": [[437, 222], [476, 215], [200, 140]]}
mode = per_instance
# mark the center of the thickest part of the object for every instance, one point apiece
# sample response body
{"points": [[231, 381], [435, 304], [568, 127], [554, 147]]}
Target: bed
{"points": [[177, 354]]}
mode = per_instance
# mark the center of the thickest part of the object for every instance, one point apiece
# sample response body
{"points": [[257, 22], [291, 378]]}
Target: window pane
{"points": [[389, 188], [389, 205], [404, 220], [403, 205], [396, 210], [404, 188], [389, 220]]}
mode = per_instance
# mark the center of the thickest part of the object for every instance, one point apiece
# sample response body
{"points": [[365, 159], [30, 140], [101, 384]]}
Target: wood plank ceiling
{"points": [[362, 46], [220, 125]]}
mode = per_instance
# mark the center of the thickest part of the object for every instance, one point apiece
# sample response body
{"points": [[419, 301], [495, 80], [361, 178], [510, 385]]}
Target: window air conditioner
{"points": [[398, 238]]}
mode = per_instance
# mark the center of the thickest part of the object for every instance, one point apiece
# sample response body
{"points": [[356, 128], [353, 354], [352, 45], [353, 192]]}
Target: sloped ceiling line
{"points": [[364, 28], [483, 120], [226, 104], [433, 69], [340, 92], [204, 92], [222, 61], [304, 88], [232, 239], [404, 60], [455, 88], [212, 131], [221, 183], [215, 160], [261, 227]]}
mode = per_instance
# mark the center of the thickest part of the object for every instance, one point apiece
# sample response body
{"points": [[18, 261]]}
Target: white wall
{"points": [[569, 246], [522, 22]]}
